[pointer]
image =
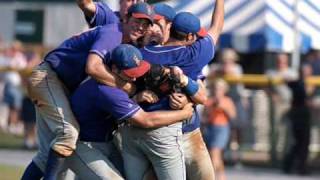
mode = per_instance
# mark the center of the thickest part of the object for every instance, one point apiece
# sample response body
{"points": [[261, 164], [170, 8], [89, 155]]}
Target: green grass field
{"points": [[8, 141], [10, 172]]}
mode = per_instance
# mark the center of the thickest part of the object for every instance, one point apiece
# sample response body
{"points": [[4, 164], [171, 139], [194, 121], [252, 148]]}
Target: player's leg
{"points": [[32, 172], [219, 139], [136, 163], [44, 137], [197, 158], [89, 161], [163, 148], [50, 98]]}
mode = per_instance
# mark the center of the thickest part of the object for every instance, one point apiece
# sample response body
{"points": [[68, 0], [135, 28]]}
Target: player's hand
{"points": [[129, 88], [177, 72], [147, 96], [177, 101], [188, 108]]}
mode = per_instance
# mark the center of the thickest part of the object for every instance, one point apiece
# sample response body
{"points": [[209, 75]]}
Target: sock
{"points": [[32, 172], [54, 165]]}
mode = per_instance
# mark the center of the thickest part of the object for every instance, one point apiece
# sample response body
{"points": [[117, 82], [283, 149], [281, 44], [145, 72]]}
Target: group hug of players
{"points": [[119, 100]]}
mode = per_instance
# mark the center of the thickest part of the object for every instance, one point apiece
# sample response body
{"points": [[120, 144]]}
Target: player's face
{"points": [[159, 33], [137, 28], [165, 29], [154, 35]]}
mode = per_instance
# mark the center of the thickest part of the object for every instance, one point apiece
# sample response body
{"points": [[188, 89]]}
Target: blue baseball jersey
{"points": [[98, 108], [191, 59], [103, 16], [70, 58]]}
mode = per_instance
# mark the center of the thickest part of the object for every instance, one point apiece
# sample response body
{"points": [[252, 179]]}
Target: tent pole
{"points": [[296, 49]]}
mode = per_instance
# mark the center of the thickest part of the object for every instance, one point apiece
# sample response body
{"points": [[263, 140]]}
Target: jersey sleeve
{"points": [[203, 49], [117, 103], [105, 41], [103, 16]]}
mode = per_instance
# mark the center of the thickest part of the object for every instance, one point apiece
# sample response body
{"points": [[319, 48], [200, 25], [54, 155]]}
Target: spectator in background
{"points": [[219, 110], [3, 108], [28, 115], [281, 95], [311, 67], [228, 66], [12, 91], [299, 115]]}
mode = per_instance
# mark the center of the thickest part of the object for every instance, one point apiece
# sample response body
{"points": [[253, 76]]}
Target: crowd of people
{"points": [[17, 112], [65, 102]]}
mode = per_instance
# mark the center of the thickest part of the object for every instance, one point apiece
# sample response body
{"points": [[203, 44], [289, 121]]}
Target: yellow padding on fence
{"points": [[263, 80], [23, 72], [259, 80]]}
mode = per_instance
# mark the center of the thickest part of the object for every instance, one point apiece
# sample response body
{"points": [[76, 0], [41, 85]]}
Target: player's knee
{"points": [[65, 144]]}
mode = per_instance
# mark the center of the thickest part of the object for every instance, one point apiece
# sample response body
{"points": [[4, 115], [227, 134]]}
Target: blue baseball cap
{"points": [[164, 11], [141, 11], [128, 59], [186, 22]]}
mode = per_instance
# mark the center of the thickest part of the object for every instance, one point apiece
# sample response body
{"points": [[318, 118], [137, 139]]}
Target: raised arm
{"points": [[158, 119], [217, 21], [88, 7]]}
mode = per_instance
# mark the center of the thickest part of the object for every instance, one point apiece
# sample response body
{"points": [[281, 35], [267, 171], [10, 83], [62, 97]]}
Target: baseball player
{"points": [[98, 108], [61, 72], [191, 59]]}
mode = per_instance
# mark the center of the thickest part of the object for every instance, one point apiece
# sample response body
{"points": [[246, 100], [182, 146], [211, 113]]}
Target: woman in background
{"points": [[220, 109]]}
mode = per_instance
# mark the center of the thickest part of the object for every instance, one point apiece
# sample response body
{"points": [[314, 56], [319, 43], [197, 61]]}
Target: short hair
{"points": [[177, 35]]}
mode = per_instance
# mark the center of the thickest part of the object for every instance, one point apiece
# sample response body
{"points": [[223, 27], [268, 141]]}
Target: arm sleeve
{"points": [[117, 103], [203, 51], [103, 16], [106, 40]]}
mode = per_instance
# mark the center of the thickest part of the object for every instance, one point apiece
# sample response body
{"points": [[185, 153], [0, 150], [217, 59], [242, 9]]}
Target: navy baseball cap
{"points": [[128, 59], [186, 22], [141, 11], [164, 11]]}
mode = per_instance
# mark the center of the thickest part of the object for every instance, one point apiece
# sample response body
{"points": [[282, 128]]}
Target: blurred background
{"points": [[267, 63]]}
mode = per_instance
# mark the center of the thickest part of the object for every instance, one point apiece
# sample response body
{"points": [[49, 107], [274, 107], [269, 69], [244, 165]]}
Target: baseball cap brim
{"points": [[158, 17], [139, 71], [142, 16], [202, 32]]}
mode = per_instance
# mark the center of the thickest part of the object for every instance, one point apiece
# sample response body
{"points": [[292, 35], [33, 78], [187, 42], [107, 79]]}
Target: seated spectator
{"points": [[220, 109]]}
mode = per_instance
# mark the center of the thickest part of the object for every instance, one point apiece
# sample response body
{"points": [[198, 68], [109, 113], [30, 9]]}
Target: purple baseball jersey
{"points": [[103, 16], [98, 108], [70, 58]]}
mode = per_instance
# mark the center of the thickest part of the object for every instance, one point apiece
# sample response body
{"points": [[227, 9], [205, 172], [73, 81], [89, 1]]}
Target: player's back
{"points": [[69, 59], [95, 123], [191, 59]]}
